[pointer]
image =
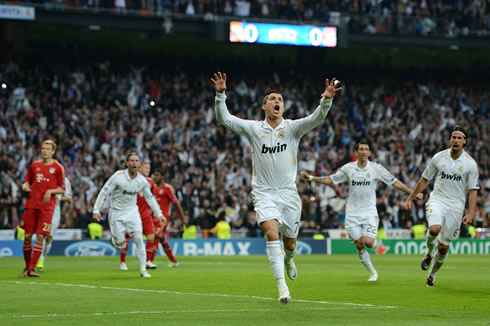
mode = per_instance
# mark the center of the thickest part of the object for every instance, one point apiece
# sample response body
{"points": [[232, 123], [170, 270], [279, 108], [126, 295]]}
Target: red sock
{"points": [[123, 253], [27, 247], [36, 253], [154, 252], [149, 249], [168, 251]]}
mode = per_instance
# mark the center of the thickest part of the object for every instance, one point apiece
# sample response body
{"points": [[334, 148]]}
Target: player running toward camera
{"points": [[274, 145], [165, 195], [44, 180], [123, 188], [455, 172], [361, 222], [148, 224], [65, 197]]}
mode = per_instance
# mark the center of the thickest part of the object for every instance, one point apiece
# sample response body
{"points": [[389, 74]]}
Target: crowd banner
{"points": [[17, 12]]}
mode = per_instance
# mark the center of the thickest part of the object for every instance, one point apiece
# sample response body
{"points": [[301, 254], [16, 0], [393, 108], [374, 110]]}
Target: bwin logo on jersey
{"points": [[454, 177], [133, 193], [274, 149], [361, 183]]}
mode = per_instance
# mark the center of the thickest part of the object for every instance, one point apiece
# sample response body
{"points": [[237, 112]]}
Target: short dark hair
{"points": [[132, 154], [158, 170], [362, 142], [269, 92]]}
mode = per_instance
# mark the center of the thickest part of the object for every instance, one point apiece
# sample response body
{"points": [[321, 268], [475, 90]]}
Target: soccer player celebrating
{"points": [[123, 187], [65, 197], [274, 145], [44, 180], [148, 224], [455, 171], [361, 221], [165, 195]]}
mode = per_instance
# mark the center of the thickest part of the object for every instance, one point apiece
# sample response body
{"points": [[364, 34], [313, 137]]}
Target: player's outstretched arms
{"points": [[325, 180], [219, 82], [331, 88]]}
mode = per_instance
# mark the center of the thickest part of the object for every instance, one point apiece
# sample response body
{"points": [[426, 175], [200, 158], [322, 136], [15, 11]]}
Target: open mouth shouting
{"points": [[277, 109]]}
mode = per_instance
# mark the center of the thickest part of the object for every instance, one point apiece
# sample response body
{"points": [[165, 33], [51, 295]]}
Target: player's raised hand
{"points": [[219, 82], [331, 88]]}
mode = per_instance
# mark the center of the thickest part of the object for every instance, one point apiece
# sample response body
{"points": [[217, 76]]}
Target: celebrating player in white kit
{"points": [[361, 221], [55, 223], [123, 187], [274, 146], [455, 172]]}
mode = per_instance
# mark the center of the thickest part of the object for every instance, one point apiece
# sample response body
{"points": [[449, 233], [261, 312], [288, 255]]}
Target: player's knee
{"points": [[442, 249], [150, 237], [434, 230], [28, 238], [271, 235]]}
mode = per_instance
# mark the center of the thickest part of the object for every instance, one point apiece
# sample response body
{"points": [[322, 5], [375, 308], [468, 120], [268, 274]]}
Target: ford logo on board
{"points": [[303, 248], [90, 249]]}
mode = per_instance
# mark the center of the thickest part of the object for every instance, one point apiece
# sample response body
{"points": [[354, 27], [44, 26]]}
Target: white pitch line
{"points": [[198, 294], [169, 312]]}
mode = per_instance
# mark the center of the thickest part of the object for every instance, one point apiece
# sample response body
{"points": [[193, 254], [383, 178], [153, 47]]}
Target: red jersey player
{"points": [[165, 195], [44, 180], [148, 224]]}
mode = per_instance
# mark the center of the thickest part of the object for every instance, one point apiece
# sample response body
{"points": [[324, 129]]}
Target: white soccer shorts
{"points": [[449, 220], [283, 205], [122, 221], [358, 227]]}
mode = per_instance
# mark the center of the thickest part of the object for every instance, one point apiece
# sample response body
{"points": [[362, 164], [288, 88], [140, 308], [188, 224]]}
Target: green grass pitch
{"points": [[330, 290]]}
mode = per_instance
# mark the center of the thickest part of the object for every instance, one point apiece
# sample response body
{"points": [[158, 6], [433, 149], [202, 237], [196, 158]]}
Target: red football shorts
{"points": [[148, 227], [38, 221]]}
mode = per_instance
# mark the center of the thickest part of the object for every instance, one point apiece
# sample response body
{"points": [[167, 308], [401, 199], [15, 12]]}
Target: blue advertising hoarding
{"points": [[180, 247]]}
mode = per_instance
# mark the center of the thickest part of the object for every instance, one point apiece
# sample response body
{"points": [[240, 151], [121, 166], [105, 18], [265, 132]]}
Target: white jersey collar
{"points": [[266, 125], [458, 159], [365, 168]]}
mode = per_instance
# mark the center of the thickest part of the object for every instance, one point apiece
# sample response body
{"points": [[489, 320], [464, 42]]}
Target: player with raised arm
{"points": [[65, 197], [274, 146], [165, 196], [44, 180], [455, 172], [123, 188], [148, 224], [361, 221]]}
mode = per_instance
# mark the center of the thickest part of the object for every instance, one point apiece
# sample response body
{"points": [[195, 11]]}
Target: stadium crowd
{"points": [[164, 110], [422, 17]]}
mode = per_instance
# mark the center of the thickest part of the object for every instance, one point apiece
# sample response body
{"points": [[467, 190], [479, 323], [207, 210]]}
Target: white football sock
{"points": [[366, 260], [288, 255], [438, 261], [140, 250], [46, 249], [277, 262]]}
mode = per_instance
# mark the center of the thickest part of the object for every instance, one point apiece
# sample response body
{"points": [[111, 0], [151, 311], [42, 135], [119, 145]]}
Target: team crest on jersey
{"points": [[368, 175], [460, 169], [161, 191], [138, 185], [281, 134], [52, 170]]}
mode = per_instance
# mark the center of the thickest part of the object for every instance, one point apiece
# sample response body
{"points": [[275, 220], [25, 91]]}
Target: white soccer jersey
{"points": [[362, 186], [124, 190], [453, 177], [274, 151], [57, 208]]}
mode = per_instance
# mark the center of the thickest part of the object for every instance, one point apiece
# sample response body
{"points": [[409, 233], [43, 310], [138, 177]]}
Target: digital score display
{"points": [[301, 35]]}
